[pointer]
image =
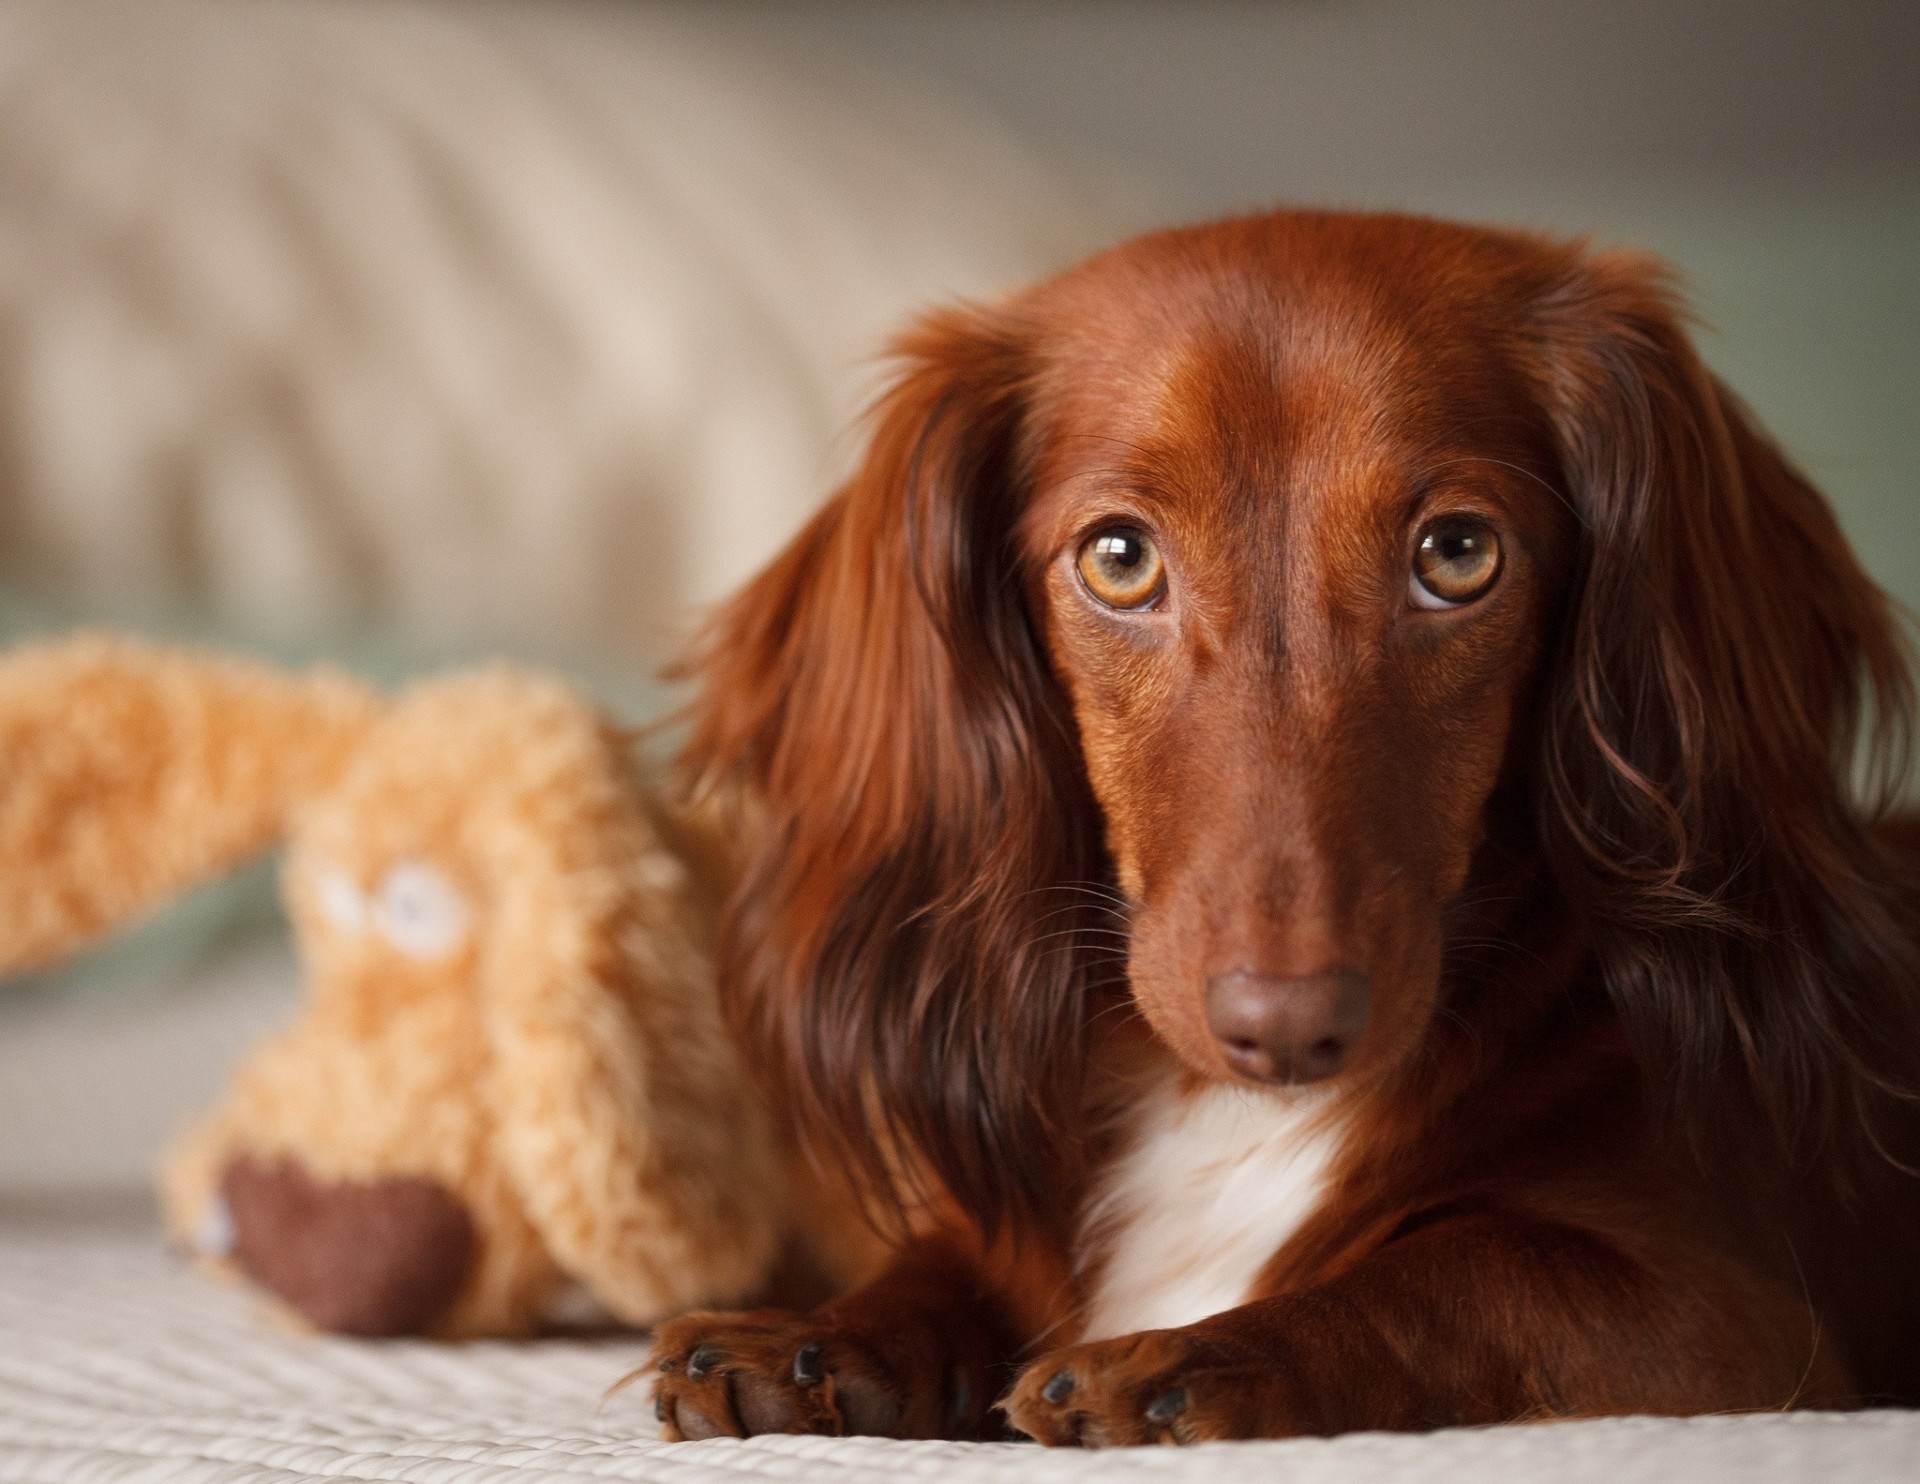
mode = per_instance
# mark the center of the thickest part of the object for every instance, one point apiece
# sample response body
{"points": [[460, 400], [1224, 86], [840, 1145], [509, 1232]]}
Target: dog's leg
{"points": [[921, 1352], [1475, 1320]]}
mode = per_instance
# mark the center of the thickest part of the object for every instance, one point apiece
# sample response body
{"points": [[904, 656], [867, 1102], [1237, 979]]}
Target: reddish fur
{"points": [[1591, 837]]}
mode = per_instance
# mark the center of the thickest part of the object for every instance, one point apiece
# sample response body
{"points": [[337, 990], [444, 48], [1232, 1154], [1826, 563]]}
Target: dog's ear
{"points": [[900, 949], [133, 771], [1726, 678]]}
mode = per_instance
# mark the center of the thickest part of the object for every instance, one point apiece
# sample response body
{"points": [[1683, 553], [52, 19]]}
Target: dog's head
{"points": [[1245, 612]]}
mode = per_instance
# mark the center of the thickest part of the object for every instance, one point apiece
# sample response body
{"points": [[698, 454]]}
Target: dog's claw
{"points": [[1124, 1392], [773, 1371]]}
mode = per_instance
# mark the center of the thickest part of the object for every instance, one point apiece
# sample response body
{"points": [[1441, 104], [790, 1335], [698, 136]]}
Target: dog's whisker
{"points": [[1519, 469]]}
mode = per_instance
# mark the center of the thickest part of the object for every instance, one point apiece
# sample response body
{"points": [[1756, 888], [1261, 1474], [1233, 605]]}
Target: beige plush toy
{"points": [[509, 1099]]}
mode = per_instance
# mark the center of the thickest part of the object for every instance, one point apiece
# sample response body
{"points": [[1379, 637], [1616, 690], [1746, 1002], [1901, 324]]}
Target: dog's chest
{"points": [[1210, 1187]]}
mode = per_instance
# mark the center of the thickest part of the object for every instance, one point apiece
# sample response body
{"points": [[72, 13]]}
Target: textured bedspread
{"points": [[118, 1362]]}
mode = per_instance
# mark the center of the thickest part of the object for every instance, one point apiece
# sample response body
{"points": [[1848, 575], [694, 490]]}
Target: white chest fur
{"points": [[1211, 1187]]}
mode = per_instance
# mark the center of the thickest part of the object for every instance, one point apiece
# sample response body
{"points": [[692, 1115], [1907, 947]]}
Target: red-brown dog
{"points": [[1306, 835]]}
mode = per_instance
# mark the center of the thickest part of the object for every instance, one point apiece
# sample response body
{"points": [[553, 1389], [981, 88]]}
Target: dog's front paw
{"points": [[771, 1370], [1159, 1386]]}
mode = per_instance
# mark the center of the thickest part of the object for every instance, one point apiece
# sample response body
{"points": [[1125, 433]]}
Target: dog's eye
{"points": [[1122, 568], [1457, 560]]}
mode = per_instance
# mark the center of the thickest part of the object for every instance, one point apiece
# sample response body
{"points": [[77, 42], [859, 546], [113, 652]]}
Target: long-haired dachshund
{"points": [[1315, 843]]}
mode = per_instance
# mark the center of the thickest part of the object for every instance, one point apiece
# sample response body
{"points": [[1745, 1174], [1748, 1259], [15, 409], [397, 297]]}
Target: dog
{"points": [[1323, 841]]}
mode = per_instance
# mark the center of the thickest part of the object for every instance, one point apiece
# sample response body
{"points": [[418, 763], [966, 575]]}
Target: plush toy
{"points": [[509, 1100]]}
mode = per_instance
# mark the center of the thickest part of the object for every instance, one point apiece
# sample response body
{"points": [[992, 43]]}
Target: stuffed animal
{"points": [[509, 1100]]}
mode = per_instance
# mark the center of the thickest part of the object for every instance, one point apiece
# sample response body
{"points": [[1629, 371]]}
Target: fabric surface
{"points": [[118, 1362], [95, 1080], [527, 322]]}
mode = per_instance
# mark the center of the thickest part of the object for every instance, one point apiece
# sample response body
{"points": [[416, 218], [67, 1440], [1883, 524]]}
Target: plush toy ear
{"points": [[622, 1114], [129, 772]]}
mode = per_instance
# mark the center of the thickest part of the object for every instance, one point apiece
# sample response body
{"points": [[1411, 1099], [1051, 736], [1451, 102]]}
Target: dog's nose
{"points": [[1288, 1029], [377, 1259]]}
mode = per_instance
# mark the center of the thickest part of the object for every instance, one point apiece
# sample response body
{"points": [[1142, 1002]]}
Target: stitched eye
{"points": [[1457, 560], [419, 911], [340, 899], [1122, 568]]}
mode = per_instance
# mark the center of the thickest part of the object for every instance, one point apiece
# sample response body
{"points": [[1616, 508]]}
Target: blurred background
{"points": [[399, 332]]}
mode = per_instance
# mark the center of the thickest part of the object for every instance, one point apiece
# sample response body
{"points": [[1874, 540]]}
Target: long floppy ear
{"points": [[129, 772], [620, 1110], [1727, 675], [899, 952]]}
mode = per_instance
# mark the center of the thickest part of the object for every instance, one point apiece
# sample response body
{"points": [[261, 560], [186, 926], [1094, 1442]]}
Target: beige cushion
{"points": [[528, 324]]}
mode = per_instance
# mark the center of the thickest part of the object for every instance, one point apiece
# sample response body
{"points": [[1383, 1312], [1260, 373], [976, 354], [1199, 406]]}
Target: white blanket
{"points": [[118, 1362]]}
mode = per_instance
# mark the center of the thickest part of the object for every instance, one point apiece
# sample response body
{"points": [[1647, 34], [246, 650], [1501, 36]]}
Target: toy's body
{"points": [[510, 1099]]}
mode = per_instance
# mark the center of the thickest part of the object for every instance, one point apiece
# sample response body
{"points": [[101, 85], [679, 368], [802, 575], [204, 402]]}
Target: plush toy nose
{"points": [[377, 1259], [1277, 1028]]}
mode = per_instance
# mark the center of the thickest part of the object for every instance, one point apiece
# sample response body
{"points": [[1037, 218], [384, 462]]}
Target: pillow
{"points": [[533, 325]]}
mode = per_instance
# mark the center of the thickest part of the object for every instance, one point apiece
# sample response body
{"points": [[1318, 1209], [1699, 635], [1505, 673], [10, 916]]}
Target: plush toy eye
{"points": [[419, 911], [1121, 567], [1457, 560], [340, 900], [213, 1233]]}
